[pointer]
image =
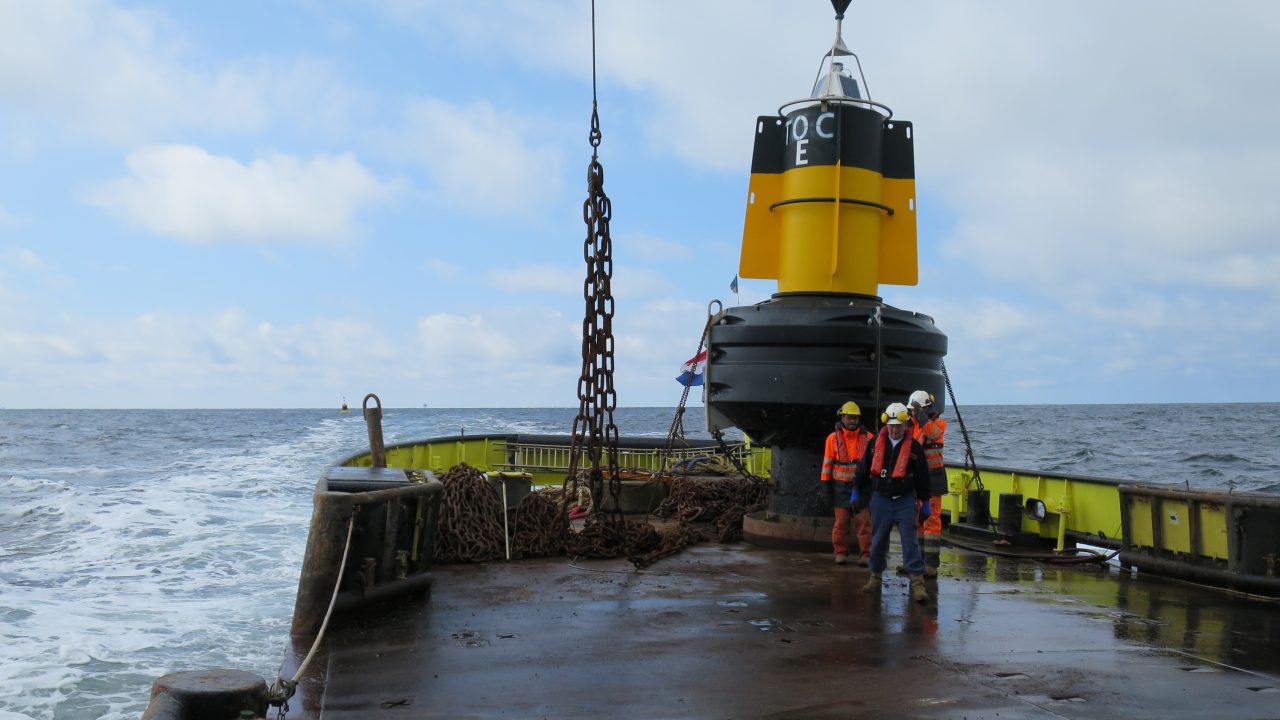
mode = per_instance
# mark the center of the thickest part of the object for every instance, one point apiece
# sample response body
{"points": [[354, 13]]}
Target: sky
{"points": [[289, 204]]}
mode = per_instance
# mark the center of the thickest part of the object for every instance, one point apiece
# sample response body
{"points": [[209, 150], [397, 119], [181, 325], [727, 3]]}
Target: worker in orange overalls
{"points": [[839, 460], [928, 429]]}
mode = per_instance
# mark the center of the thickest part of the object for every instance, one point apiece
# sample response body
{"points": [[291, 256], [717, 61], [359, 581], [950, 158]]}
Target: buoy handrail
{"points": [[847, 201]]}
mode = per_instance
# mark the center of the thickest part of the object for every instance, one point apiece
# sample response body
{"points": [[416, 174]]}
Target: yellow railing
{"points": [[547, 462], [1075, 503]]}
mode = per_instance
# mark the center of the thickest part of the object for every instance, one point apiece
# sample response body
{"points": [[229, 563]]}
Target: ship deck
{"points": [[737, 631]]}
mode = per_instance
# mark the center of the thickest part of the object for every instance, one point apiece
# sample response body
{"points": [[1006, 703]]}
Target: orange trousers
{"points": [[933, 524], [861, 528]]}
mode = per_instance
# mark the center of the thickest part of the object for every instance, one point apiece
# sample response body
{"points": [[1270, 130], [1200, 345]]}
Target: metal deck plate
{"points": [[744, 632]]}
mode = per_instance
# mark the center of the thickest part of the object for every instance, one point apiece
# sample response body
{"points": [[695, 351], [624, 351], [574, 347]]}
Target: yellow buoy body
{"points": [[831, 206]]}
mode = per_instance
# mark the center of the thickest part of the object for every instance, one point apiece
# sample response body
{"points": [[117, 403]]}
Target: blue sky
{"points": [[246, 204]]}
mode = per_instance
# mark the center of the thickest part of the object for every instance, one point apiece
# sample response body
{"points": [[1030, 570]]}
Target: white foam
{"points": [[179, 564]]}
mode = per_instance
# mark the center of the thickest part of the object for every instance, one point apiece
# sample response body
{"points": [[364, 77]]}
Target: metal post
{"points": [[373, 418]]}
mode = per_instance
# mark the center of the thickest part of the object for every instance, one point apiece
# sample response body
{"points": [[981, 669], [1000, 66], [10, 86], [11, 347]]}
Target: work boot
{"points": [[841, 558], [930, 571], [873, 583], [918, 591], [900, 569], [863, 561]]}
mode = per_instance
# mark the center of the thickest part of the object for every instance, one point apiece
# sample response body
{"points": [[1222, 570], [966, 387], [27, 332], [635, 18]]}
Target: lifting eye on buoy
{"points": [[834, 80]]}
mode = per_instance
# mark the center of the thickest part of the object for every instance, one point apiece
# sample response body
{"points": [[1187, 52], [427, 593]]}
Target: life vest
{"points": [[844, 448], [904, 455], [930, 437]]}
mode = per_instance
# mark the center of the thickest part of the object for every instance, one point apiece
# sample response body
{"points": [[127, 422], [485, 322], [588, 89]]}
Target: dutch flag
{"points": [[691, 371]]}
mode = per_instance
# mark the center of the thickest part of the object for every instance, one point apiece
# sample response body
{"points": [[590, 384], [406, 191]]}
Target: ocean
{"points": [[134, 543]]}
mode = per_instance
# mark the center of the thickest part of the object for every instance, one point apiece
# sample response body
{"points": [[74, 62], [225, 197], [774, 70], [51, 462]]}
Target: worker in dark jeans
{"points": [[892, 476]]}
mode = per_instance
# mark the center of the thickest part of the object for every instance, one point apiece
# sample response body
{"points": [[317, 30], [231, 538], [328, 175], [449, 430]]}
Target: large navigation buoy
{"points": [[831, 215]]}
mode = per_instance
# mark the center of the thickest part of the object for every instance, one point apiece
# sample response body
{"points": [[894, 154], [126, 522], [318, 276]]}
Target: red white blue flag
{"points": [[691, 371]]}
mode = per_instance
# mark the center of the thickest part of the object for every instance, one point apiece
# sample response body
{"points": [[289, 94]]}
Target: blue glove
{"points": [[925, 509], [853, 499]]}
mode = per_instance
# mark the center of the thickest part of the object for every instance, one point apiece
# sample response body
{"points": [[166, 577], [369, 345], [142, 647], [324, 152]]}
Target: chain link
{"points": [[595, 434], [470, 521]]}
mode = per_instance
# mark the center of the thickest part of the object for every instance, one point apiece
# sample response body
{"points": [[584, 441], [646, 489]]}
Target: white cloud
{"points": [[992, 320], [632, 283], [650, 247], [1145, 153], [502, 357], [691, 86], [208, 360], [21, 259], [184, 192], [441, 269], [124, 73], [479, 159], [539, 278]]}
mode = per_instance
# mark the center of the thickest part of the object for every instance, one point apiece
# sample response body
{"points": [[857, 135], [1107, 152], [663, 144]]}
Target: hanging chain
{"points": [[594, 431], [970, 463]]}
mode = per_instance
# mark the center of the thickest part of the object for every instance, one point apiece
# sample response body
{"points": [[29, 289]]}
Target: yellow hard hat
{"points": [[850, 408]]}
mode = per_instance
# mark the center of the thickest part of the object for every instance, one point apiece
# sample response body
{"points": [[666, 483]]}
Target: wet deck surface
{"points": [[744, 632]]}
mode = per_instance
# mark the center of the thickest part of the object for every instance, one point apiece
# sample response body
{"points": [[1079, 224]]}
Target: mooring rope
{"points": [[281, 690]]}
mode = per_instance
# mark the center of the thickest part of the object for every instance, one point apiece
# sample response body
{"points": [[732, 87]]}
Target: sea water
{"points": [[134, 543]]}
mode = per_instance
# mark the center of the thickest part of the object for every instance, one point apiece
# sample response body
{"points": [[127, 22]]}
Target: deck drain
{"points": [[1200, 669]]}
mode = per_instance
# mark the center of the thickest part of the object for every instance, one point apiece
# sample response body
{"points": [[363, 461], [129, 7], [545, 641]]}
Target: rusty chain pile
{"points": [[470, 521], [537, 525], [608, 537], [722, 502], [670, 541], [469, 527]]}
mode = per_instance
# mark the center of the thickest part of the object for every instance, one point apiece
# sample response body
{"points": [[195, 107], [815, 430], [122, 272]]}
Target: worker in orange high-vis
{"points": [[928, 429], [839, 460]]}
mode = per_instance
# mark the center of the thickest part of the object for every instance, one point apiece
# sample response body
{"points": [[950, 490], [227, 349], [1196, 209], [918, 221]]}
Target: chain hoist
{"points": [[594, 431]]}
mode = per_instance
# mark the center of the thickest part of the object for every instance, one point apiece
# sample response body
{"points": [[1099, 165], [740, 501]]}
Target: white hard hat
{"points": [[895, 414], [921, 398]]}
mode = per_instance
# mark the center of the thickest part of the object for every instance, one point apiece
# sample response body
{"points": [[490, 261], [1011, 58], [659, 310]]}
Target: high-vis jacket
{"points": [[930, 436], [844, 448]]}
